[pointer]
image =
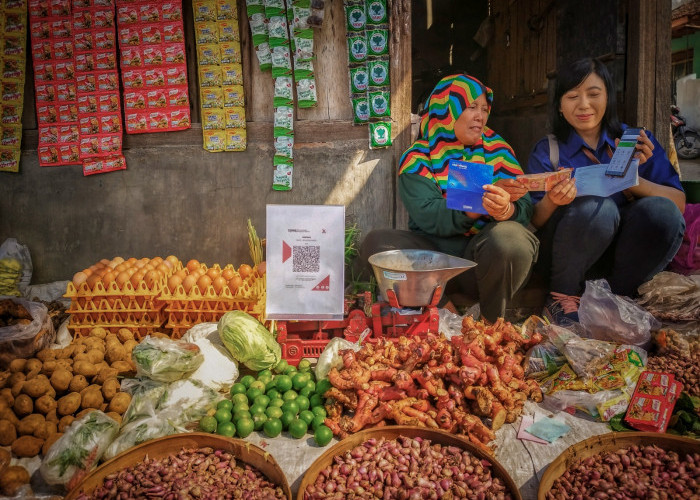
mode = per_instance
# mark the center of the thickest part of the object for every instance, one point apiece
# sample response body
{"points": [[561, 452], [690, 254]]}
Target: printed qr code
{"points": [[305, 259]]}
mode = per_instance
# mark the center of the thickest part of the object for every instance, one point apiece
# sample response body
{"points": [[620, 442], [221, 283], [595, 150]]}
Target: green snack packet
{"points": [[300, 15], [379, 104], [264, 55], [284, 91], [284, 146], [282, 175], [377, 12], [254, 5], [378, 72], [360, 109], [357, 48], [303, 45], [281, 61], [306, 93], [283, 120], [379, 134], [355, 17], [274, 4], [378, 42], [258, 28], [303, 69], [277, 30], [358, 79]]}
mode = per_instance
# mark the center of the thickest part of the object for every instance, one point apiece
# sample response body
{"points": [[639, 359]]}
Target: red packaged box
{"points": [[47, 114], [103, 165], [45, 93], [173, 32], [105, 39], [178, 96], [151, 34], [82, 20], [130, 35], [48, 135], [59, 8], [171, 11], [110, 123], [132, 58], [149, 13], [176, 75], [65, 70], [652, 402], [68, 113], [85, 62], [152, 55], [156, 99], [83, 41], [49, 155], [174, 53], [133, 79], [61, 28], [86, 83], [103, 18], [62, 49], [136, 123], [38, 8], [68, 134], [41, 29], [107, 81], [105, 60], [127, 14], [87, 103], [89, 125], [107, 103], [69, 154], [158, 120], [42, 50], [134, 100], [180, 119], [66, 92], [153, 77], [44, 72]]}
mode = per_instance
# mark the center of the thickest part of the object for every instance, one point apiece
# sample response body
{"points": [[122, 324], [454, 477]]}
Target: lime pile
{"points": [[286, 398]]}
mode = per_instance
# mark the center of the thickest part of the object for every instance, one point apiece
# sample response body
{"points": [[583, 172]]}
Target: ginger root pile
{"points": [[435, 382]]}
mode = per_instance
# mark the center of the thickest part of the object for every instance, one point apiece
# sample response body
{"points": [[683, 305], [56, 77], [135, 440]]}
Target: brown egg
{"points": [[228, 273], [188, 283], [136, 278], [203, 283], [182, 273], [213, 273], [104, 262], [173, 260], [122, 278], [235, 283], [79, 278], [93, 280], [131, 261], [219, 283], [108, 278], [163, 269], [193, 264], [151, 278], [245, 270], [121, 267], [173, 282]]}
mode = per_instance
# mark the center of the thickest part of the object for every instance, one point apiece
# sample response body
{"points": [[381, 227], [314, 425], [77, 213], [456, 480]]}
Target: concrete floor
{"points": [[690, 169]]}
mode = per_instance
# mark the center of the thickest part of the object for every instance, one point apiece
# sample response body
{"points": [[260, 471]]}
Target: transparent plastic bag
{"points": [[77, 452], [542, 360], [219, 370], [146, 396], [166, 360], [151, 426], [22, 341], [190, 399], [330, 358], [15, 264], [614, 318], [585, 356], [450, 324], [672, 296]]}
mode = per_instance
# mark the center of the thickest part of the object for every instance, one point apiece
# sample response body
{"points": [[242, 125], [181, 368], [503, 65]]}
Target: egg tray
{"points": [[140, 331], [249, 291]]}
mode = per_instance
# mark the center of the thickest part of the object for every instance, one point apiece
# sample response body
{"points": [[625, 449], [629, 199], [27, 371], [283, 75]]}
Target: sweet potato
{"points": [[85, 368], [49, 442], [119, 403], [23, 405], [124, 334], [37, 387], [45, 404], [68, 404], [10, 416], [8, 433], [124, 367], [115, 416], [78, 383], [91, 398], [46, 430], [61, 379], [12, 478], [65, 422], [17, 365], [27, 446], [29, 424], [46, 355], [105, 374], [5, 458]]}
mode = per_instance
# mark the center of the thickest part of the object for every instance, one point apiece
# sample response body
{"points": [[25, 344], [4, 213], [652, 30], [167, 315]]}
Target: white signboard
{"points": [[305, 247]]}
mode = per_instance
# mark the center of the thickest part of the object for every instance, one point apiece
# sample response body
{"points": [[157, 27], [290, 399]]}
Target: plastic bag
{"points": [[672, 296], [15, 268], [166, 360], [219, 370], [614, 318], [75, 453], [23, 341], [330, 358], [450, 324], [146, 396], [190, 399], [151, 426], [543, 360]]}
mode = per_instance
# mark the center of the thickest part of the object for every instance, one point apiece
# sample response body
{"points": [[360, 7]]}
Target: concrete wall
{"points": [[181, 200], [688, 99]]}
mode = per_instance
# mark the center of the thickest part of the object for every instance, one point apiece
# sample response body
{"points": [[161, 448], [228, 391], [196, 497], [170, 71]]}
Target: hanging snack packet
{"points": [[377, 12], [204, 10], [236, 139], [278, 30], [214, 140], [378, 42], [258, 27], [228, 31], [210, 76], [306, 93], [235, 117], [281, 61], [379, 134], [301, 11], [283, 120], [283, 92], [357, 48], [282, 175], [303, 69], [230, 52], [359, 79], [231, 74], [284, 146], [360, 108], [356, 19], [378, 71], [226, 10], [303, 45], [213, 119], [208, 53], [379, 104], [264, 56], [233, 95]]}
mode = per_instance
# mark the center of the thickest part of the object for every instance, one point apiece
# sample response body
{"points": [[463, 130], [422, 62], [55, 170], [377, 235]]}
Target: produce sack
{"points": [[248, 341], [190, 398], [219, 369], [614, 318], [15, 268], [165, 360], [75, 453], [154, 425], [23, 340], [330, 357], [671, 296], [146, 396]]}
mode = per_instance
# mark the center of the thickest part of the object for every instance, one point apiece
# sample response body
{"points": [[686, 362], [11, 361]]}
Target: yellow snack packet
{"points": [[213, 119], [236, 139], [210, 76], [208, 53], [235, 117], [233, 95], [214, 140], [230, 52], [204, 10], [231, 74], [206, 32], [226, 9], [212, 97]]}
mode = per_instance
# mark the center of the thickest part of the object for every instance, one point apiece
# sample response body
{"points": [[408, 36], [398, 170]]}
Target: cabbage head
{"points": [[248, 341]]}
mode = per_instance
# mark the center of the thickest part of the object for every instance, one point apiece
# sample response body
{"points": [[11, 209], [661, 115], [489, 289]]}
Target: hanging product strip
{"points": [[369, 64], [154, 72], [13, 41], [222, 100], [77, 86]]}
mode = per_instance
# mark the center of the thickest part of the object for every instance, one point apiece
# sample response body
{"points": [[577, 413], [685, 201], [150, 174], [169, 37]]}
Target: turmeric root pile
{"points": [[435, 382]]}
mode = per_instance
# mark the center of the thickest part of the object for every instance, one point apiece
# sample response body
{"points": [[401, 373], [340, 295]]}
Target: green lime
{"points": [[262, 400], [240, 414], [247, 380], [226, 429], [226, 404], [322, 386], [237, 388], [287, 418], [290, 394], [270, 385], [240, 407], [306, 392], [304, 365], [281, 366], [273, 412], [315, 401], [253, 392], [258, 384], [272, 427], [239, 398], [291, 406], [278, 402], [272, 393], [319, 411], [257, 408], [299, 380], [222, 416], [265, 374], [307, 416], [310, 385], [298, 428], [283, 383], [323, 435], [259, 420], [208, 424], [244, 427], [302, 402], [317, 422], [290, 370]]}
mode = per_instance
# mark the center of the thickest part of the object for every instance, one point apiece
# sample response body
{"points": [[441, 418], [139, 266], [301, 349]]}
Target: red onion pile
{"points": [[647, 472], [193, 473], [407, 469]]}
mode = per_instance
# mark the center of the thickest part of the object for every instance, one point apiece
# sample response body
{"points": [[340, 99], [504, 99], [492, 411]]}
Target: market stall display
{"points": [[634, 465], [154, 70], [419, 463], [238, 465], [13, 56], [25, 328], [679, 355]]}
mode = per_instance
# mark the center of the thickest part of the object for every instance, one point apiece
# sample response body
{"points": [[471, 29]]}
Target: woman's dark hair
{"points": [[571, 77]]}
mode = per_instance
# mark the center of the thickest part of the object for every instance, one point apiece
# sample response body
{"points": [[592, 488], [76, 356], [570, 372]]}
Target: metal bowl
{"points": [[416, 277]]}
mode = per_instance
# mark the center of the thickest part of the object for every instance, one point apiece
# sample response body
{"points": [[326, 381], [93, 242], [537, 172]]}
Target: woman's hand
{"points": [[644, 147], [497, 203], [515, 189], [563, 192]]}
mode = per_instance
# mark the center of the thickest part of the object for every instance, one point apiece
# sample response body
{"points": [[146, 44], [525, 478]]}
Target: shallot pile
{"points": [[193, 473], [647, 472], [435, 382], [678, 355], [407, 469]]}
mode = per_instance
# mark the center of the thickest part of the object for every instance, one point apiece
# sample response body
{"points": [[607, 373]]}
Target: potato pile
{"points": [[40, 397]]}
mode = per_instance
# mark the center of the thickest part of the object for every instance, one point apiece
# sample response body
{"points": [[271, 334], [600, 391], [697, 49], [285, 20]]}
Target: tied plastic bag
{"points": [[219, 370], [75, 453], [672, 296], [166, 360], [23, 340], [15, 268], [613, 318], [330, 357]]}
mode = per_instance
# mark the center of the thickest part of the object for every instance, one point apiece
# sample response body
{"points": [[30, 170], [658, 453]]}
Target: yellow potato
{"points": [[23, 405], [12, 478], [29, 424], [27, 446], [8, 433], [78, 383], [68, 404]]}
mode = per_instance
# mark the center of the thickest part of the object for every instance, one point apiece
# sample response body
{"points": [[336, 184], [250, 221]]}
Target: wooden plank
{"points": [[640, 81], [191, 59], [662, 73]]}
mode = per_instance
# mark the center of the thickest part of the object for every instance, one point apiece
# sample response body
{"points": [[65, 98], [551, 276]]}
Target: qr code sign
{"points": [[305, 259]]}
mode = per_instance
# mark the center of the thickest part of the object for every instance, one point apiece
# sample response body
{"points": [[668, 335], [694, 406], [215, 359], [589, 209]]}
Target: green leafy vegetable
{"points": [[248, 340]]}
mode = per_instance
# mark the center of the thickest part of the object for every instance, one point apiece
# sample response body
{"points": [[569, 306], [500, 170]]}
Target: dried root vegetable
{"points": [[435, 382], [677, 354]]}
